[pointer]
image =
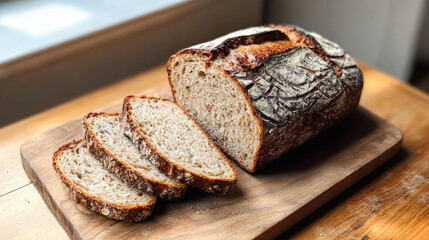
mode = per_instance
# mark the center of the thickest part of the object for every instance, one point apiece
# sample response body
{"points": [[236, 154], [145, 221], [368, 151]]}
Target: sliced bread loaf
{"points": [[261, 91], [176, 144], [119, 155], [91, 185]]}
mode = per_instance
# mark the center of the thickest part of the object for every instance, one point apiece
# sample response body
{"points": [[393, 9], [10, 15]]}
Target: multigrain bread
{"points": [[91, 185], [176, 144], [261, 91], [120, 156]]}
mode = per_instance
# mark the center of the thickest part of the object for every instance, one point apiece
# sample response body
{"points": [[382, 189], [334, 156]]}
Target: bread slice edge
{"points": [[162, 162], [122, 170], [200, 53], [131, 213]]}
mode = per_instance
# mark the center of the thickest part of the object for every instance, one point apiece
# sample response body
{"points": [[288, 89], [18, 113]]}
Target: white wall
{"points": [[382, 33]]}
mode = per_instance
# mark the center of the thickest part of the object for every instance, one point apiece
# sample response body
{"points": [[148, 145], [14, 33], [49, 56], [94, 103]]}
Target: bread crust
{"points": [[221, 46], [122, 171], [267, 80], [132, 213], [163, 163]]}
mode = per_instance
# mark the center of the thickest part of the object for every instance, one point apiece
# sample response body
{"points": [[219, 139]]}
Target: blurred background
{"points": [[54, 51]]}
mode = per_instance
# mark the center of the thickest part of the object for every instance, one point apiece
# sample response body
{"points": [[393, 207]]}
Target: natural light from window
{"points": [[30, 26], [44, 20]]}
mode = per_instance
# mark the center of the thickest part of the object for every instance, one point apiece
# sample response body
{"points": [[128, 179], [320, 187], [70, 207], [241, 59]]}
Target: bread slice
{"points": [[261, 91], [91, 185], [120, 156], [176, 144]]}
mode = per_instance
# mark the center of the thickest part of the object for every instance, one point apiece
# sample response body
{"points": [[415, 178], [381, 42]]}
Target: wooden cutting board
{"points": [[264, 204]]}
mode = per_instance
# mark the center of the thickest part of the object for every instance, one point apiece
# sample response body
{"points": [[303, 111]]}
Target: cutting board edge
{"points": [[332, 192], [72, 232]]}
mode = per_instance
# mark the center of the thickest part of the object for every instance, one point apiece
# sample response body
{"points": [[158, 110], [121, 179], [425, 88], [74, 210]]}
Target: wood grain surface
{"points": [[264, 205]]}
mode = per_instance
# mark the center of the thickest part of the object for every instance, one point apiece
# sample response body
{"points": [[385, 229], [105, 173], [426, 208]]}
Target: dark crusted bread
{"points": [[119, 155], [176, 144], [97, 189], [261, 91]]}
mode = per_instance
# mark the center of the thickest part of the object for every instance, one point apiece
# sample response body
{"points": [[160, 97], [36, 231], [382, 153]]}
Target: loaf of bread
{"points": [[261, 91], [120, 156], [91, 185], [176, 144]]}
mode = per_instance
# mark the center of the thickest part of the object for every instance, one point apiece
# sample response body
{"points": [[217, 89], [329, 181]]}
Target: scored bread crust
{"points": [[163, 163], [245, 61], [128, 213], [123, 172]]}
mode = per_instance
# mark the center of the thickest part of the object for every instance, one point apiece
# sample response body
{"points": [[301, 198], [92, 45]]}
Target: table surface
{"points": [[390, 203]]}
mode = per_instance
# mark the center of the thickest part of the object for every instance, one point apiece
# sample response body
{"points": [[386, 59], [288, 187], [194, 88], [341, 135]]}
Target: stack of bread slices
{"points": [[153, 149]]}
